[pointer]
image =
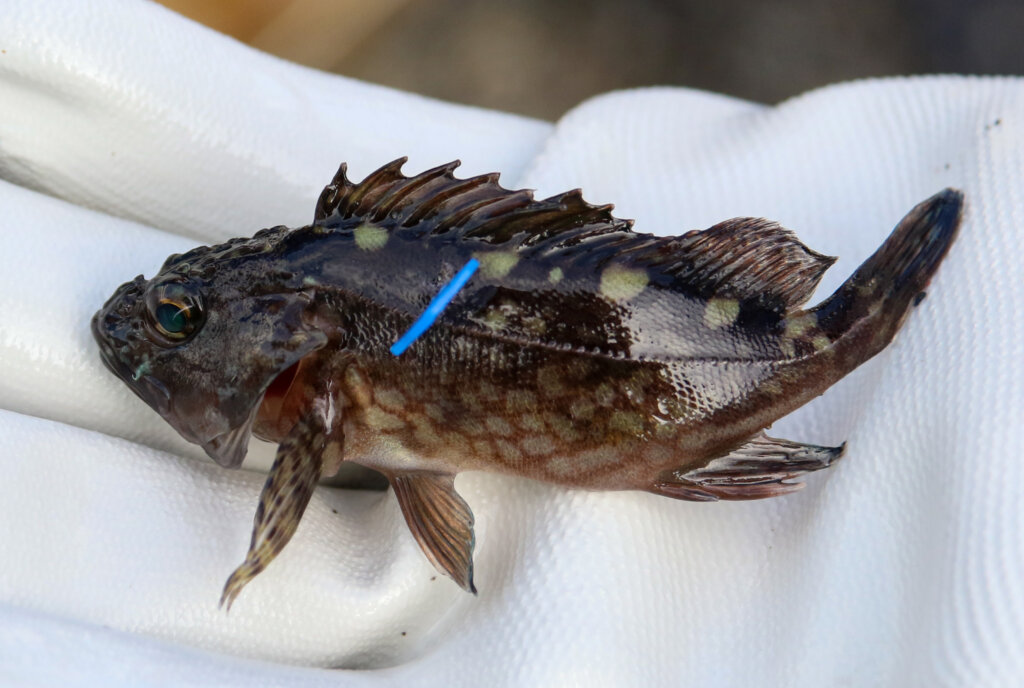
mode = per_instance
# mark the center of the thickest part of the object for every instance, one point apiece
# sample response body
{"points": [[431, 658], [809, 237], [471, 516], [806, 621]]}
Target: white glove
{"points": [[900, 566]]}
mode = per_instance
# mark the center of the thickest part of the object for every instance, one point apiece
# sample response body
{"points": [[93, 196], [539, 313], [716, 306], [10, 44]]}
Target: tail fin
{"points": [[894, 278]]}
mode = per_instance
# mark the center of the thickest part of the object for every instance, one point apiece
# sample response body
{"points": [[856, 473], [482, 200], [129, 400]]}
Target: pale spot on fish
{"points": [[795, 327], [620, 283], [358, 386], [520, 400], [389, 398], [535, 325], [370, 237], [556, 275], [581, 409], [483, 449], [564, 428], [434, 412], [471, 426], [560, 466], [425, 435], [380, 419], [604, 394], [532, 422], [721, 312], [537, 445], [495, 319], [499, 426], [595, 458], [497, 264], [626, 422], [787, 347], [508, 451], [821, 342]]}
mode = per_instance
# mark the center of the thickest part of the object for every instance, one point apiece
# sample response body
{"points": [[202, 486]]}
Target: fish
{"points": [[580, 353]]}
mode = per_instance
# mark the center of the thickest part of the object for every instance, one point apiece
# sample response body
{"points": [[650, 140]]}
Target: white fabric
{"points": [[900, 566]]}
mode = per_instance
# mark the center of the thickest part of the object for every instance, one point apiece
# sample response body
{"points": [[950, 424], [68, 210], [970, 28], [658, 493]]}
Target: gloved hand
{"points": [[899, 566]]}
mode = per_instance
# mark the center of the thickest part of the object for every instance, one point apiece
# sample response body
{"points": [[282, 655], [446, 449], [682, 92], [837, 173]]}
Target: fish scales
{"points": [[581, 353]]}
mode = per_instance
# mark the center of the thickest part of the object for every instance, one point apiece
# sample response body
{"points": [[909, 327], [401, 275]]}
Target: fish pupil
{"points": [[172, 318]]}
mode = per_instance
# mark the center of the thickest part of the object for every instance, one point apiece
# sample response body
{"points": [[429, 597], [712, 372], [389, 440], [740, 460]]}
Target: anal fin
{"points": [[763, 467], [441, 522]]}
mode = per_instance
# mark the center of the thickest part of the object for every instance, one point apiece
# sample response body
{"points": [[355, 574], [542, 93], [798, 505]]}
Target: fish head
{"points": [[202, 341]]}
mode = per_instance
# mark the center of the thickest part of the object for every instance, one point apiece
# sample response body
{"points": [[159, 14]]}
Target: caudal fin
{"points": [[884, 288]]}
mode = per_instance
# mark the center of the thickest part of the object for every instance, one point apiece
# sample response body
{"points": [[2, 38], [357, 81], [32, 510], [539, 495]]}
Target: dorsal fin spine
{"points": [[438, 202], [487, 211], [388, 174], [412, 185]]}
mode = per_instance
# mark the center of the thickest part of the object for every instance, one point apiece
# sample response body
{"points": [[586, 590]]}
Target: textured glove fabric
{"points": [[128, 133]]}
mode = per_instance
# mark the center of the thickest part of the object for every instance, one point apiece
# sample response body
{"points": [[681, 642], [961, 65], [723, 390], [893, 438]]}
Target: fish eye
{"points": [[173, 318], [175, 312]]}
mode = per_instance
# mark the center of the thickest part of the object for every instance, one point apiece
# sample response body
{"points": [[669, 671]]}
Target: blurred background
{"points": [[540, 58]]}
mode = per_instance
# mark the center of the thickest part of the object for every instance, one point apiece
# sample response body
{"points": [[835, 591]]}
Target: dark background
{"points": [[541, 58]]}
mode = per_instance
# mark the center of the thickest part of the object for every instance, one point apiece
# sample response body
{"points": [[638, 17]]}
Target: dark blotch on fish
{"points": [[581, 353]]}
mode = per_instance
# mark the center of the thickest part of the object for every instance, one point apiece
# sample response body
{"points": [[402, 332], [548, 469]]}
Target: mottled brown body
{"points": [[582, 353], [569, 418]]}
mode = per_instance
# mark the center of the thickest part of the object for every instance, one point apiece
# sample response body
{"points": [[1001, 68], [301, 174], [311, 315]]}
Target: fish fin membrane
{"points": [[285, 494], [743, 258], [763, 467], [748, 258], [893, 279], [441, 522]]}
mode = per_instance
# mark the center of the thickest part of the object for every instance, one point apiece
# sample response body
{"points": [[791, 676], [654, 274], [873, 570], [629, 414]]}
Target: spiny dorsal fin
{"points": [[435, 202], [739, 258]]}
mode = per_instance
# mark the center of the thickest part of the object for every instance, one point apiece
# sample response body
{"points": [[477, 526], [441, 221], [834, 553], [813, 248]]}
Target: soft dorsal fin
{"points": [[739, 258], [748, 256]]}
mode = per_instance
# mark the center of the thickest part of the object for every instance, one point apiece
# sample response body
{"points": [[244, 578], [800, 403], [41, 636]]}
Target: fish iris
{"points": [[172, 318]]}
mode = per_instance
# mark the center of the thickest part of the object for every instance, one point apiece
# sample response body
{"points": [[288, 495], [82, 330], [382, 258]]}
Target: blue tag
{"points": [[435, 307]]}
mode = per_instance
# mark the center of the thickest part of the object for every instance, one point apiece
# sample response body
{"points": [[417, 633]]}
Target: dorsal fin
{"points": [[747, 256], [739, 258], [435, 202]]}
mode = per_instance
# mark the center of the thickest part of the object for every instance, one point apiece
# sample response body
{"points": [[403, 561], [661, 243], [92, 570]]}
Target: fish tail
{"points": [[876, 299]]}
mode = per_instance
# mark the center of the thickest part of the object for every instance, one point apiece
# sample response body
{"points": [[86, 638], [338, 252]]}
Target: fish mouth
{"points": [[146, 387]]}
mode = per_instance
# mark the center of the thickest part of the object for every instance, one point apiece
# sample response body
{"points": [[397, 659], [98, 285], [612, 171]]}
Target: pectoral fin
{"points": [[763, 467], [284, 498], [441, 522]]}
